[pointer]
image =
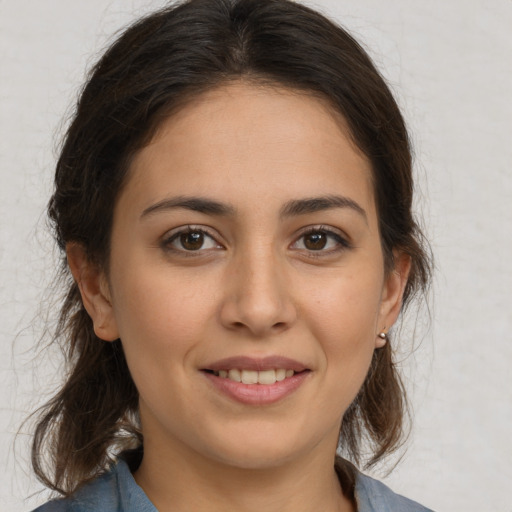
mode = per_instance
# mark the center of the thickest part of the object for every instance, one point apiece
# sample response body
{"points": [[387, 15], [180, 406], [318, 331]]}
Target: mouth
{"points": [[264, 377], [256, 381]]}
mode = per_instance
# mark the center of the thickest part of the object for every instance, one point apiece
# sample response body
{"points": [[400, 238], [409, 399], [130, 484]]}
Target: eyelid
{"points": [[174, 233], [342, 239]]}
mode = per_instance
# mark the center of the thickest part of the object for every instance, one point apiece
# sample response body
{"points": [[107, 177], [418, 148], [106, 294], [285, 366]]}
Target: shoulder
{"points": [[103, 490], [115, 491], [373, 496]]}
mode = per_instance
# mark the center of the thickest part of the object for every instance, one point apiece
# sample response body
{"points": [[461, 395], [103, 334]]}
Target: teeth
{"points": [[249, 377], [267, 377], [234, 375], [255, 377]]}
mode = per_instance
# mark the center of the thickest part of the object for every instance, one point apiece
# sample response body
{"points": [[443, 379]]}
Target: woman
{"points": [[233, 198]]}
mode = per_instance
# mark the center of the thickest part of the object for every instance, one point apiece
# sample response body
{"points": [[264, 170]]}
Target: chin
{"points": [[257, 459], [262, 450]]}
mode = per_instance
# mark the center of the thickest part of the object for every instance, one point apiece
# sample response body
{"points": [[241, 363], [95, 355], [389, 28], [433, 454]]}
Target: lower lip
{"points": [[257, 394]]}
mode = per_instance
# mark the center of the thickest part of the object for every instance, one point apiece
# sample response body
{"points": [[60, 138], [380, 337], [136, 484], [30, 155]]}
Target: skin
{"points": [[254, 288]]}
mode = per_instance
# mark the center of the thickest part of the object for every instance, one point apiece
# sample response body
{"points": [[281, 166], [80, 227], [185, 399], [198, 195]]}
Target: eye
{"points": [[190, 239], [321, 239]]}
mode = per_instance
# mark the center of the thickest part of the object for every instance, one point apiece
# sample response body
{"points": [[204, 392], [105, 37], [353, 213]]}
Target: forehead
{"points": [[252, 141]]}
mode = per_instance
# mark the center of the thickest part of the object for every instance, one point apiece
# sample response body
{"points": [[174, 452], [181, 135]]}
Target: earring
{"points": [[383, 339]]}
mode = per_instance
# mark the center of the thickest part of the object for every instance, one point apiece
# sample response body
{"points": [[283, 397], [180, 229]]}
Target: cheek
{"points": [[161, 319], [342, 316], [344, 306], [160, 314]]}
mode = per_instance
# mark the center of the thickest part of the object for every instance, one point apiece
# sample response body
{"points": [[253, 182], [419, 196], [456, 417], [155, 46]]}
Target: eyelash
{"points": [[342, 243], [168, 240]]}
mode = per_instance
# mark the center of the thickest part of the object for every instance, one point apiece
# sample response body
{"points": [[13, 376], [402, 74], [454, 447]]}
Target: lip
{"points": [[256, 394], [256, 364]]}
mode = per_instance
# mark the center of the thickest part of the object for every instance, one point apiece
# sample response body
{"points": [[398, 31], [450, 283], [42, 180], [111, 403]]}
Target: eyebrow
{"points": [[292, 208], [196, 204], [318, 204]]}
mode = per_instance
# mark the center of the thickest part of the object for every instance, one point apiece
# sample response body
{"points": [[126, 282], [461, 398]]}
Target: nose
{"points": [[257, 299]]}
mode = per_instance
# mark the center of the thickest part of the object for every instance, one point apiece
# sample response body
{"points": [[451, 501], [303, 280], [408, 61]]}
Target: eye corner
{"points": [[201, 241], [329, 241]]}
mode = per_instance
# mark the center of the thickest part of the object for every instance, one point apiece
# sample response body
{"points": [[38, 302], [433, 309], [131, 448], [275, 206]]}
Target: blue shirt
{"points": [[117, 491]]}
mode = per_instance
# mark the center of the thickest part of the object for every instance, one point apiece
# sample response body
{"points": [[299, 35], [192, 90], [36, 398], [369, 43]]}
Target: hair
{"points": [[156, 66]]}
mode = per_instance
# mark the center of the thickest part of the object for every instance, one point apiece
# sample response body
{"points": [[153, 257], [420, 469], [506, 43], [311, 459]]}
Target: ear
{"points": [[95, 292], [392, 294]]}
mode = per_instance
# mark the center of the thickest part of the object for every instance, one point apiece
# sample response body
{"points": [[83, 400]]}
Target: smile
{"points": [[256, 381], [265, 377]]}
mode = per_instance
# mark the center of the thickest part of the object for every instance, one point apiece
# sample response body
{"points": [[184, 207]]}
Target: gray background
{"points": [[449, 63]]}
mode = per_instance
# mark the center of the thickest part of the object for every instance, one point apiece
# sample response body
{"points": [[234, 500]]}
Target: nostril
{"points": [[258, 314]]}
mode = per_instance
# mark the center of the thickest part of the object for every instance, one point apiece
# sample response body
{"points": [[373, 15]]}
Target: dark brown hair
{"points": [[157, 65]]}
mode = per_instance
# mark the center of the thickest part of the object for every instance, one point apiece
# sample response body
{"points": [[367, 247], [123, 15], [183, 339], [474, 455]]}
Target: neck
{"points": [[178, 483]]}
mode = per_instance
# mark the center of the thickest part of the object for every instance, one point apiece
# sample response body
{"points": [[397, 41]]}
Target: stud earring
{"points": [[382, 336]]}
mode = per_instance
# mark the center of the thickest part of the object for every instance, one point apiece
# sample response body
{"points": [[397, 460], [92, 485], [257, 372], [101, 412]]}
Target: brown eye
{"points": [[192, 241], [321, 240], [315, 241]]}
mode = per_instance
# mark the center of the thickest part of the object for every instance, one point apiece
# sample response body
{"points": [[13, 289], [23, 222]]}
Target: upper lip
{"points": [[256, 364]]}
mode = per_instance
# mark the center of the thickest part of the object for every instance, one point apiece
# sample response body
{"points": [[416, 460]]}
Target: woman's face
{"points": [[245, 245]]}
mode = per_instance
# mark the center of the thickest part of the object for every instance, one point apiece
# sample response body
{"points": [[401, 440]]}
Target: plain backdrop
{"points": [[449, 64]]}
